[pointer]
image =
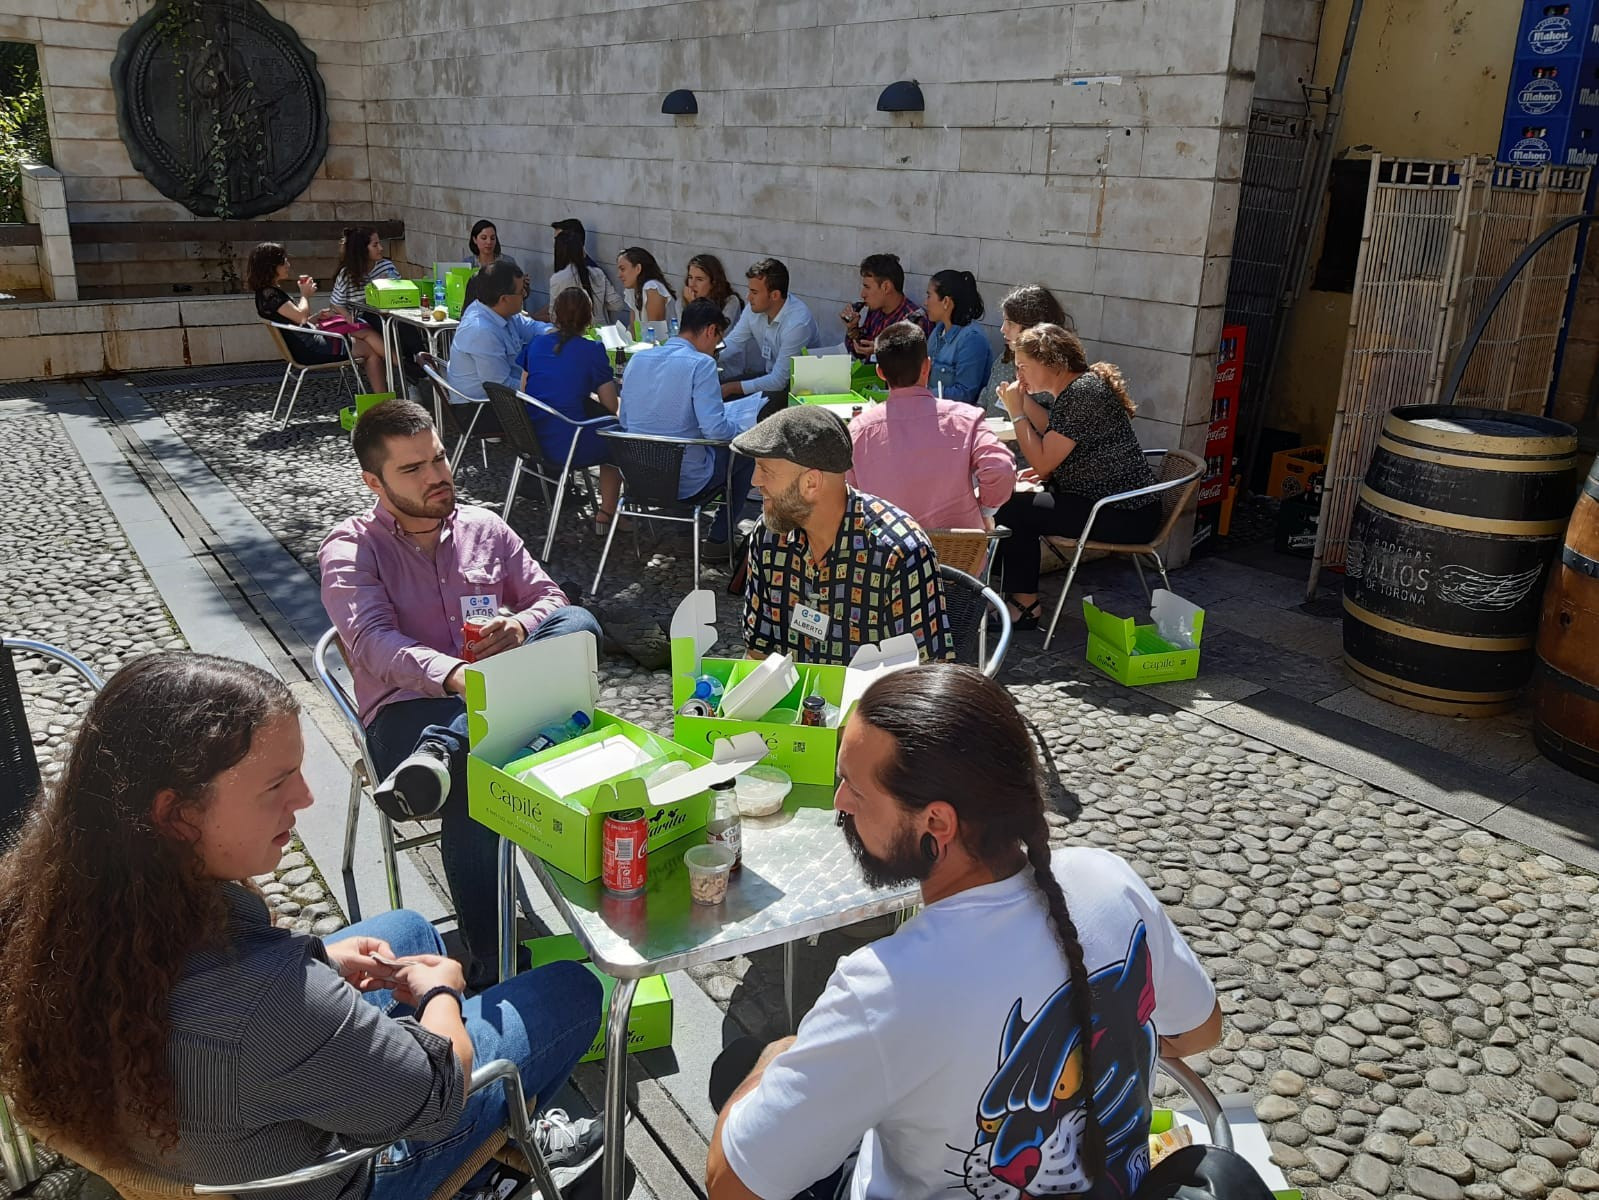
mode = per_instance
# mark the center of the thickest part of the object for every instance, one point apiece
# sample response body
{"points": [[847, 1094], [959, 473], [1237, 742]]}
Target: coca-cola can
{"points": [[624, 862], [470, 632]]}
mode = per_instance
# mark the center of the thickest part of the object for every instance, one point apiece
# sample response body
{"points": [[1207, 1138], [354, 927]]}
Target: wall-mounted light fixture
{"points": [[680, 103], [902, 96]]}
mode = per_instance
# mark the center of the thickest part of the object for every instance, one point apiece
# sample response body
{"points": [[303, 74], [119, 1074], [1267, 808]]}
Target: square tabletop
{"points": [[799, 878]]}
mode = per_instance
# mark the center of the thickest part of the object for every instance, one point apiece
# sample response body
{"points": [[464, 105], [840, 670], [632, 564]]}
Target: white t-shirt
{"points": [[952, 1046], [638, 311], [607, 304]]}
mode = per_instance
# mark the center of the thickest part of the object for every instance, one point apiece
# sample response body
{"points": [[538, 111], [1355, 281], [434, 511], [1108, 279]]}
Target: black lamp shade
{"points": [[680, 103], [902, 96]]}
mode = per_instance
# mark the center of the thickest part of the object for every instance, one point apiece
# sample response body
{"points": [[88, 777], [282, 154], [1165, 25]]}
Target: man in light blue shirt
{"points": [[493, 331], [672, 391], [771, 330]]}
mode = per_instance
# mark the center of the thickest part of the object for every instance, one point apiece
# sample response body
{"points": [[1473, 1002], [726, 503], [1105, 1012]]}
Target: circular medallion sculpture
{"points": [[220, 106]]}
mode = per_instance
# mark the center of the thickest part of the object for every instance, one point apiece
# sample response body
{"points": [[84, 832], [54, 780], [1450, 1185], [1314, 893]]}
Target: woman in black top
{"points": [[1081, 448], [266, 274]]}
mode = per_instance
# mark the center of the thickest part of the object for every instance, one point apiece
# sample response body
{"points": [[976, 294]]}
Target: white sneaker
{"points": [[419, 786], [570, 1146]]}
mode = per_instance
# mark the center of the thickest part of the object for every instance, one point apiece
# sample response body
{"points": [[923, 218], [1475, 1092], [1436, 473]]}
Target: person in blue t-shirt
{"points": [[571, 373]]}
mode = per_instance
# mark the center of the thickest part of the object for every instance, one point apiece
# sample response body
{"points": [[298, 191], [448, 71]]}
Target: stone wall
{"points": [[48, 341], [77, 40], [1288, 45], [1119, 195]]}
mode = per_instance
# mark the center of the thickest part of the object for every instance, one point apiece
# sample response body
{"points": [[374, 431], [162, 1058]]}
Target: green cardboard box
{"points": [[455, 280], [349, 416], [649, 1021], [558, 814], [1159, 652], [808, 754], [393, 293], [834, 399]]}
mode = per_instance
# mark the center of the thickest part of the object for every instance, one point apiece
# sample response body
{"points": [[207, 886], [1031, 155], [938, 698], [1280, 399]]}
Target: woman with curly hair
{"points": [[154, 1022], [1074, 427]]}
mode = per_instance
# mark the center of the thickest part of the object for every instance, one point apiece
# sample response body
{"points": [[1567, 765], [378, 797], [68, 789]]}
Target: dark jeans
{"points": [[731, 1068], [743, 472], [543, 1021], [1031, 515], [470, 850]]}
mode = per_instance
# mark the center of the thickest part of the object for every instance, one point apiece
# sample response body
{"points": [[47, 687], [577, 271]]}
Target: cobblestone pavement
{"points": [[1412, 1004]]}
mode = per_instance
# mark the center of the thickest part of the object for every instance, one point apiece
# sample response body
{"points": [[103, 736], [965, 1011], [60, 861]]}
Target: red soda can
{"points": [[470, 632], [624, 860]]}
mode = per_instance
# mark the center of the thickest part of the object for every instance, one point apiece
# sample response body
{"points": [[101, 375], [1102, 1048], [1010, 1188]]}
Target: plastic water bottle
{"points": [[671, 327], [565, 731], [438, 293], [709, 689]]}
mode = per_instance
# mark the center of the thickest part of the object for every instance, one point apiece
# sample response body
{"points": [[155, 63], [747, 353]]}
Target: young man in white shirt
{"points": [[1003, 1042], [771, 330]]}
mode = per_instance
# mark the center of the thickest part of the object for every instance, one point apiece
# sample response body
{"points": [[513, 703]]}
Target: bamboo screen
{"points": [[1509, 206], [1405, 282]]}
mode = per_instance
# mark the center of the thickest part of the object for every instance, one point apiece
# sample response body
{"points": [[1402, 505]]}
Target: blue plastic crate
{"points": [[1558, 28], [1562, 141], [1551, 89]]}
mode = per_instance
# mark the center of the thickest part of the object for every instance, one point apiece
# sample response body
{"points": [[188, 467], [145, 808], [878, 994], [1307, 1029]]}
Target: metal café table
{"points": [[438, 333], [798, 879]]}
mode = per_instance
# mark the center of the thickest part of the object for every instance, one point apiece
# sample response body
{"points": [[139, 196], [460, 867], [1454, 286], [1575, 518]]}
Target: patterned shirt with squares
{"points": [[874, 322], [879, 579]]}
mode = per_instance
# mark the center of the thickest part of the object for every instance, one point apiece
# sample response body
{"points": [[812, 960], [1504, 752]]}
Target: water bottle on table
{"points": [[563, 731]]}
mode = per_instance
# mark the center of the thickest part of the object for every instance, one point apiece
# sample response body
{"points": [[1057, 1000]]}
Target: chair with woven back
{"points": [[511, 407], [969, 550], [140, 1184], [1177, 476]]}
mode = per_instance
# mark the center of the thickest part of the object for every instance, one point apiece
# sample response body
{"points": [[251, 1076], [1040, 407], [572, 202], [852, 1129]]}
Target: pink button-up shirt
{"points": [[936, 459], [399, 609]]}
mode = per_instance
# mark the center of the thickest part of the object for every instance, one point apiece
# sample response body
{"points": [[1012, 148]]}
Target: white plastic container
{"points": [[752, 697], [762, 790]]}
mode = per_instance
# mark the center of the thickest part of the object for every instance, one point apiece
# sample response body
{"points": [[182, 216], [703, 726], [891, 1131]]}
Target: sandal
{"points": [[602, 522], [1027, 616]]}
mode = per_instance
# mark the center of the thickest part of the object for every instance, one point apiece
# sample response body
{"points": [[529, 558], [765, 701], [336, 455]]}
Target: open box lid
{"points": [[513, 695], [872, 662], [823, 374], [730, 758], [1180, 622]]}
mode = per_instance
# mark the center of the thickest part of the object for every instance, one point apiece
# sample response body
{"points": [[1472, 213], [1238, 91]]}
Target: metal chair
{"points": [[19, 782], [299, 370], [968, 604], [363, 778], [447, 398], [652, 469], [511, 409], [1176, 480], [1205, 1101], [969, 550], [139, 1184]]}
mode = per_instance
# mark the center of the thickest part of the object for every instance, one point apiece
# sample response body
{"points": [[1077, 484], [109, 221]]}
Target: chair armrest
{"points": [[1210, 1109], [55, 652], [675, 441], [310, 330]]}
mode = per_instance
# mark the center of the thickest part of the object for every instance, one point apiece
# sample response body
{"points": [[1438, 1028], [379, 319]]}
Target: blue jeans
{"points": [[743, 471], [544, 1021], [470, 850]]}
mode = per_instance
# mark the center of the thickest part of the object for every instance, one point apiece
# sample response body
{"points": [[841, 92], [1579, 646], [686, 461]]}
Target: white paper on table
{"points": [[585, 767]]}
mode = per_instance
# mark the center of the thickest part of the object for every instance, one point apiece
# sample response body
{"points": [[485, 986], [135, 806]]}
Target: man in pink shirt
{"points": [[399, 581], [936, 459]]}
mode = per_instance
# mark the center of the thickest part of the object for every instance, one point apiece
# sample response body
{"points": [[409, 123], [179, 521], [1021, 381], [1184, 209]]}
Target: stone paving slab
{"points": [[1401, 988]]}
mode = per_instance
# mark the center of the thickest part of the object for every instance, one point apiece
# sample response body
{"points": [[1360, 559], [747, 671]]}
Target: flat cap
{"points": [[805, 434]]}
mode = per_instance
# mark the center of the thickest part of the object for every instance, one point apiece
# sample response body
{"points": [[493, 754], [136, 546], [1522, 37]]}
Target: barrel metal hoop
{"points": [[1527, 466], [1421, 689], [1579, 562], [1449, 520], [1454, 641], [1568, 683], [1590, 486], [1483, 443]]}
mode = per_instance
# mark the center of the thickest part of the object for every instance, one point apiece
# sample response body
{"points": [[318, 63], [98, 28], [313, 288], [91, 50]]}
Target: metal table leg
{"points": [[790, 962], [391, 356], [507, 896], [614, 1165]]}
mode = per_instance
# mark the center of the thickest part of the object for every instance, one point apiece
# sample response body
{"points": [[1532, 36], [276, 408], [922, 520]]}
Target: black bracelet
{"points": [[440, 991]]}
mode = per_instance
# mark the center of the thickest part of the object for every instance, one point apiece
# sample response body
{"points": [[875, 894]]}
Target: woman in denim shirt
{"points": [[957, 345]]}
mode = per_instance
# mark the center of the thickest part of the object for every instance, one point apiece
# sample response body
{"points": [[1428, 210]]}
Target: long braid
{"points": [[1037, 844]]}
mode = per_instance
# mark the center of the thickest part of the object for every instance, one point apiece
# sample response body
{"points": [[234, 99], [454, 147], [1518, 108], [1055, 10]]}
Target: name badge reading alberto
{"points": [[808, 622]]}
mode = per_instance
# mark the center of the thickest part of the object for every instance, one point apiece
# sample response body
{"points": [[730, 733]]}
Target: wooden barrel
{"points": [[1565, 698], [1456, 524]]}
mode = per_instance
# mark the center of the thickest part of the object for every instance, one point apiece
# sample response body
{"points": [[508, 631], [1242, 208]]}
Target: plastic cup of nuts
{"points": [[708, 871]]}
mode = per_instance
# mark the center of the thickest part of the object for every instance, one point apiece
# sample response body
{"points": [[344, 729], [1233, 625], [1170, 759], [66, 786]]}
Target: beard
{"points": [[786, 511], [904, 862], [441, 505]]}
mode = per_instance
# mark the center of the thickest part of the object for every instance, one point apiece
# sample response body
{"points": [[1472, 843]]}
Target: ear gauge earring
{"points": [[929, 847]]}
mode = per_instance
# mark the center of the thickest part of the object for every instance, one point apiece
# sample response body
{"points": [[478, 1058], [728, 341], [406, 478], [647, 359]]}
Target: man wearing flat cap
{"points": [[831, 569]]}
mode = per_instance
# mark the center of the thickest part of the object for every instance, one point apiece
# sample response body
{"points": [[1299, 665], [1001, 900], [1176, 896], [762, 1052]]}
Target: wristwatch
{"points": [[428, 995]]}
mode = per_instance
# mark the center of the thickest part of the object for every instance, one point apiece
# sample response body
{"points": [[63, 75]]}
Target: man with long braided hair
{"points": [[1003, 1042]]}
